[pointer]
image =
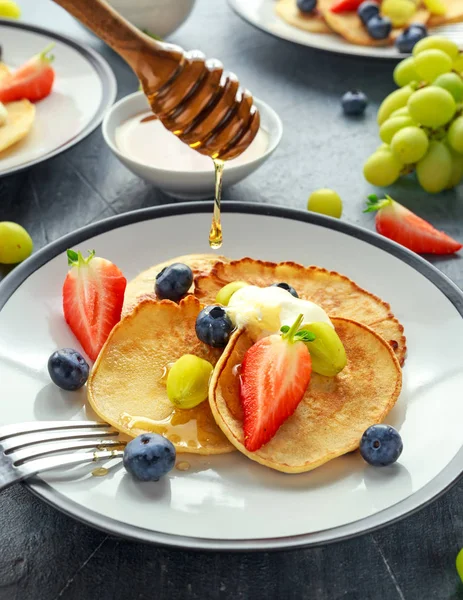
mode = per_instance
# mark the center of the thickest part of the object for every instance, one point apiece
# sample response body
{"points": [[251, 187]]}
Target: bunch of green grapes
{"points": [[421, 123]]}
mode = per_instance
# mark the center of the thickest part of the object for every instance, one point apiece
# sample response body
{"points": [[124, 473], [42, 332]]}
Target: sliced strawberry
{"points": [[33, 81], [345, 6], [275, 374], [404, 227], [93, 294]]}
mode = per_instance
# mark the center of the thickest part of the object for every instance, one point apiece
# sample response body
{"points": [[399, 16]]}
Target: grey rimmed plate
{"points": [[228, 502]]}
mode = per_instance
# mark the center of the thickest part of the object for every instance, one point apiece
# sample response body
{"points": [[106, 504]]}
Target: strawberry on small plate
{"points": [[397, 223], [33, 81], [275, 374], [93, 294]]}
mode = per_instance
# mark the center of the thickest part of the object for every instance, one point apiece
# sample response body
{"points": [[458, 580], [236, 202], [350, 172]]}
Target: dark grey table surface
{"points": [[45, 555]]}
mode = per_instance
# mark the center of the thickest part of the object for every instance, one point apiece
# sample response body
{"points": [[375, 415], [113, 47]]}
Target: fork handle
{"points": [[11, 474]]}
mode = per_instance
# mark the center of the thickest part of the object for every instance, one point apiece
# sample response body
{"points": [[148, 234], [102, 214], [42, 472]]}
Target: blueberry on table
{"points": [[306, 6], [354, 103], [214, 326], [287, 287], [68, 369], [367, 10], [406, 41], [173, 282], [149, 456], [379, 28], [381, 445]]}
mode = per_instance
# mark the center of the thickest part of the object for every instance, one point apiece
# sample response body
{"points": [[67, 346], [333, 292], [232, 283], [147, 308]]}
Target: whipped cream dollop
{"points": [[266, 310]]}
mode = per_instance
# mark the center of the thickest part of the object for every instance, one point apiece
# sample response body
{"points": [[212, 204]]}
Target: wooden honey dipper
{"points": [[193, 97]]}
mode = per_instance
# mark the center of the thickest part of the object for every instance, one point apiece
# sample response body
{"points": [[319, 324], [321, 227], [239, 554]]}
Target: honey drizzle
{"points": [[215, 234]]}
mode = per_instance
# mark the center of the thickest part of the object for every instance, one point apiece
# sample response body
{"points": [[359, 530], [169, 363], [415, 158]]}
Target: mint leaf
{"points": [[285, 329]]}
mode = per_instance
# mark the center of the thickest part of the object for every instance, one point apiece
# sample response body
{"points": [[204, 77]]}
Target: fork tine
{"points": [[20, 428], [21, 441], [32, 453], [52, 462]]}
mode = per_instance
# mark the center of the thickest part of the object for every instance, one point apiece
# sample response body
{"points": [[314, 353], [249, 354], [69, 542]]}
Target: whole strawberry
{"points": [[93, 295]]}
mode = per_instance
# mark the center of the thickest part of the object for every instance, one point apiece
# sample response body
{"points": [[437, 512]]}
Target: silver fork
{"points": [[29, 448]]}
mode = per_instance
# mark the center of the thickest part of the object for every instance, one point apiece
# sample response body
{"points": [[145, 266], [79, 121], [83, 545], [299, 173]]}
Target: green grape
{"points": [[188, 381], [458, 63], [405, 72], [399, 11], [15, 243], [432, 106], [459, 564], [390, 127], [457, 169], [400, 112], [383, 147], [224, 294], [429, 64], [435, 42], [453, 83], [435, 7], [455, 135], [410, 144], [9, 9], [382, 168], [326, 351], [326, 202], [394, 101], [434, 170]]}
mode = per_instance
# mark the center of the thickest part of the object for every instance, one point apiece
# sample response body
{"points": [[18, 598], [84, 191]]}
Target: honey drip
{"points": [[215, 234], [100, 472]]}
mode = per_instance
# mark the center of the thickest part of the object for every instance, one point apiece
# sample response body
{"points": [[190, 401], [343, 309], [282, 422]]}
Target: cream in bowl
{"points": [[142, 143]]}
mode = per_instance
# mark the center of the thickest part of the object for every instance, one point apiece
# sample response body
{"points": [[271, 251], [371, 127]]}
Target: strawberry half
{"points": [[93, 294], [404, 227], [275, 374], [33, 81]]}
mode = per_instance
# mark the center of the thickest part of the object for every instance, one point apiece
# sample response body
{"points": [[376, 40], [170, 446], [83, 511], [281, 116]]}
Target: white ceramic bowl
{"points": [[160, 17], [186, 184]]}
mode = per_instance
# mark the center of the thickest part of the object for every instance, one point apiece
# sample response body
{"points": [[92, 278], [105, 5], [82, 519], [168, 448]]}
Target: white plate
{"points": [[229, 502], [84, 88], [261, 14]]}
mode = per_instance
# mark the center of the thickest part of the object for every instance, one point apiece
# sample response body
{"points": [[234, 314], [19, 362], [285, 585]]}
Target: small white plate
{"points": [[230, 502], [184, 184], [84, 88], [261, 14]]}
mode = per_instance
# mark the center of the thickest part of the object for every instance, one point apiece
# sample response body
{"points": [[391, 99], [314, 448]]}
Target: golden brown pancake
{"points": [[335, 293], [142, 287], [21, 116], [334, 412], [454, 14], [350, 27], [313, 23], [128, 377]]}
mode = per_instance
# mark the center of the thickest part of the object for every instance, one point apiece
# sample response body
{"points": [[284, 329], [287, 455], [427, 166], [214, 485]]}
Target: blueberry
{"points": [[68, 369], [367, 10], [306, 6], [379, 27], [214, 326], [354, 103], [173, 282], [381, 445], [406, 41], [287, 287], [149, 456]]}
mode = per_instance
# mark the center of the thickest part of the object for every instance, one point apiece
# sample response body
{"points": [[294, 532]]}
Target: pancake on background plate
{"points": [[334, 412], [142, 286], [127, 385], [313, 23], [335, 293]]}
